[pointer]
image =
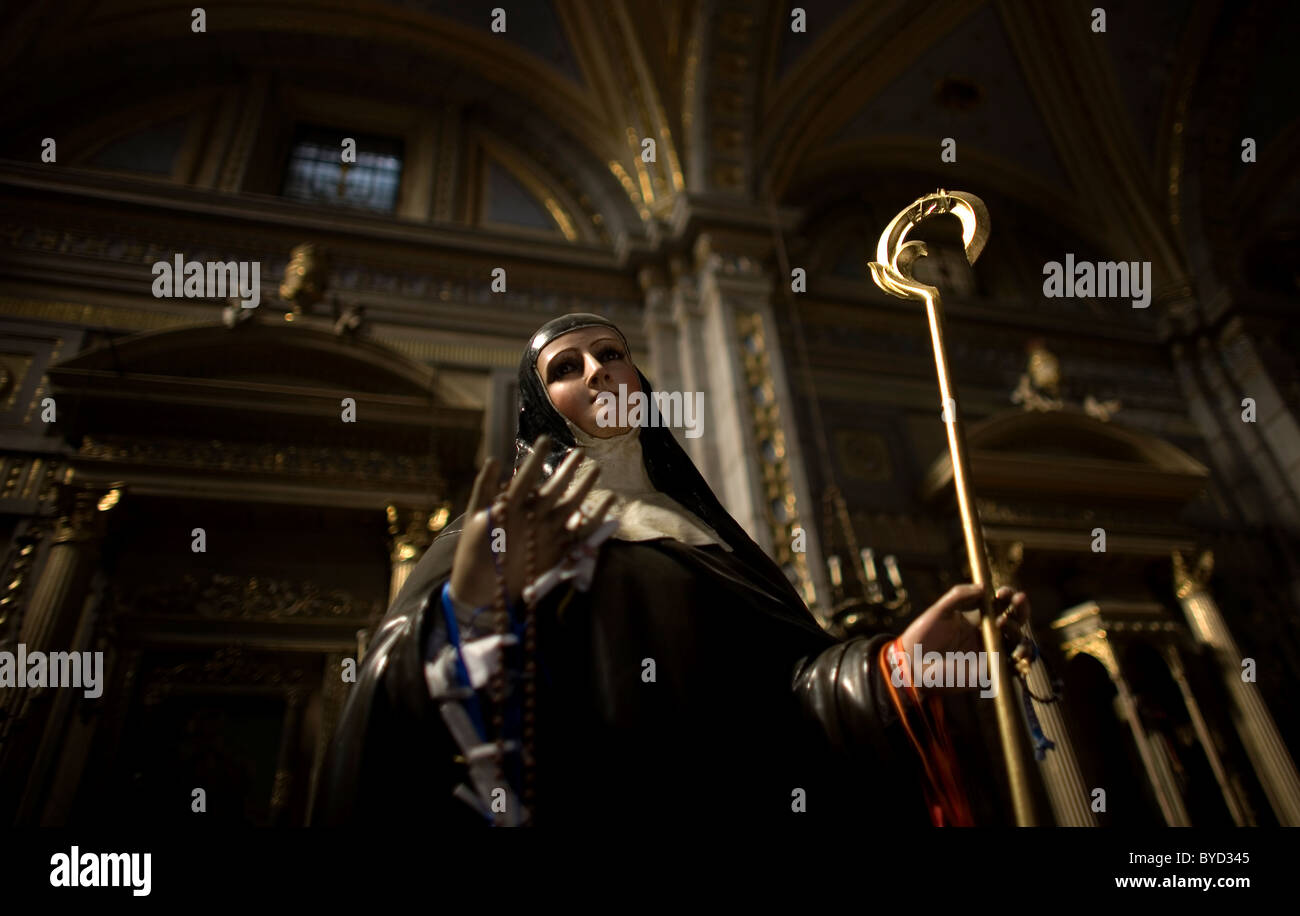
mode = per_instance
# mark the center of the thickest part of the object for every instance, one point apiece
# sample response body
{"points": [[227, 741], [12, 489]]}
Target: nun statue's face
{"points": [[576, 367]]}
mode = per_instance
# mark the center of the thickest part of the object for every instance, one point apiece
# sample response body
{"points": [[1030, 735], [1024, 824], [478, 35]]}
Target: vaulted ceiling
{"points": [[1124, 136]]}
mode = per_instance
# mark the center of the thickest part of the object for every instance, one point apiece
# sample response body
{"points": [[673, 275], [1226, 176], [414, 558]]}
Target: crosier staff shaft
{"points": [[892, 272]]}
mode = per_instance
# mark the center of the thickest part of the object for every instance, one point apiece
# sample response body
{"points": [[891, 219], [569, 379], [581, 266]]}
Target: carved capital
{"points": [[1098, 646], [1189, 582]]}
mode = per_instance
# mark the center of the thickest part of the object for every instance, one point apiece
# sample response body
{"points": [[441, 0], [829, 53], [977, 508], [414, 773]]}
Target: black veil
{"points": [[669, 467]]}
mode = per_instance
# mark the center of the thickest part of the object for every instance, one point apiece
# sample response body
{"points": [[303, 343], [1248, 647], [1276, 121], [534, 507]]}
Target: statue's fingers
{"points": [[528, 474], [554, 488], [965, 601], [573, 501], [962, 597], [1016, 612], [485, 486]]}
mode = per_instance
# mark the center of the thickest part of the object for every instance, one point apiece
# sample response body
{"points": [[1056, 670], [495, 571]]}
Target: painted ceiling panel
{"points": [[1002, 118]]}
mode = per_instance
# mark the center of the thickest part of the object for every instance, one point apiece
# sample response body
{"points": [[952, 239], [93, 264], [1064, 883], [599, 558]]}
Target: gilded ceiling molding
{"points": [[1172, 134], [595, 38], [645, 113], [731, 132]]}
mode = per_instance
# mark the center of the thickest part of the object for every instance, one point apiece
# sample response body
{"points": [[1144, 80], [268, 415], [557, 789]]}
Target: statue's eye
{"points": [[562, 368], [612, 353]]}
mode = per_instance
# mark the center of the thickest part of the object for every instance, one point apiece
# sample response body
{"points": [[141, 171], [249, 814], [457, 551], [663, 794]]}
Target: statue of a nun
{"points": [[598, 642]]}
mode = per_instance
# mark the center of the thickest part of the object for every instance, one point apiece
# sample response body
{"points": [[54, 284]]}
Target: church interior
{"points": [[223, 499]]}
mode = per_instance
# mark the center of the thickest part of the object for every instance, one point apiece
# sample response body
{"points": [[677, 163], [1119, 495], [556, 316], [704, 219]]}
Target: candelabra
{"points": [[867, 609]]}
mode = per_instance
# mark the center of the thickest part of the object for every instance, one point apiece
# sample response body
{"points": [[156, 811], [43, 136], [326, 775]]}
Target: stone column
{"points": [[1093, 640], [64, 735], [1201, 395], [1066, 790], [1238, 807], [53, 607], [692, 363], [29, 722], [1272, 761], [1280, 501], [723, 279], [1156, 764], [663, 362], [1275, 421], [1155, 760], [752, 438]]}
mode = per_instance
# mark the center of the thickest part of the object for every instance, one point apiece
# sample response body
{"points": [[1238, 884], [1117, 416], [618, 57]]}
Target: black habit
{"points": [[751, 699]]}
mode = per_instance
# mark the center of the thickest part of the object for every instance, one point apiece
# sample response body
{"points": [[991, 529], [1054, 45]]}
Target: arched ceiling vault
{"points": [[1088, 124], [570, 77]]}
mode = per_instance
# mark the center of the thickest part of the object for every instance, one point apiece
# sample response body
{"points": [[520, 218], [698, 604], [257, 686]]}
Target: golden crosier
{"points": [[892, 272]]}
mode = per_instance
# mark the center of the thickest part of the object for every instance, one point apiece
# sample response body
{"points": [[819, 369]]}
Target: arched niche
{"points": [[1172, 734], [243, 407], [1108, 757]]}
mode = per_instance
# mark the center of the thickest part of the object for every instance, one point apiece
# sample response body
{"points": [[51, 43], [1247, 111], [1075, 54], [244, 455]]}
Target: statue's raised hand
{"points": [[556, 525]]}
